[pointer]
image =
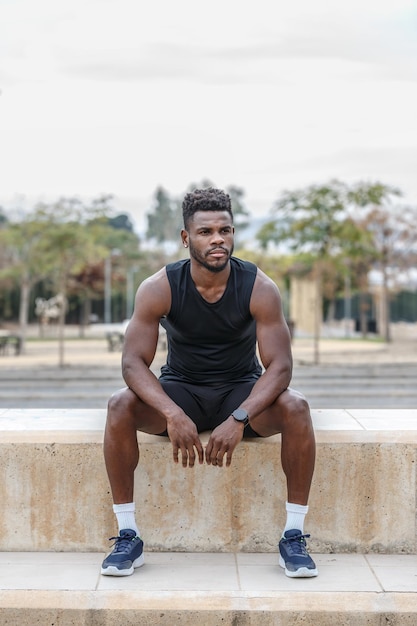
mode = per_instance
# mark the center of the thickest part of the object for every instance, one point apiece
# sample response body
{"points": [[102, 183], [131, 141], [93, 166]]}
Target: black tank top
{"points": [[211, 343]]}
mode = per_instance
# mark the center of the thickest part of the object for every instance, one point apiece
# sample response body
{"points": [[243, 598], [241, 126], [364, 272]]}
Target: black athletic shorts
{"points": [[209, 406]]}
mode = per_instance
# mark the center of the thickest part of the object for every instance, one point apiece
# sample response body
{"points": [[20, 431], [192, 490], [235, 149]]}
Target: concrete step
{"points": [[384, 385], [207, 589], [398, 371], [93, 385], [55, 494]]}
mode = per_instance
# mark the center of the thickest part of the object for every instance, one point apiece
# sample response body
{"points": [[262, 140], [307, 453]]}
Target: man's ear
{"points": [[184, 238]]}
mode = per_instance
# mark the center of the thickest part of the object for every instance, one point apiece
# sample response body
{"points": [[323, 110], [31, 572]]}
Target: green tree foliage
{"points": [[341, 233], [366, 194], [119, 244], [240, 212], [121, 222], [308, 220], [65, 244], [314, 224], [23, 262], [164, 221], [165, 217]]}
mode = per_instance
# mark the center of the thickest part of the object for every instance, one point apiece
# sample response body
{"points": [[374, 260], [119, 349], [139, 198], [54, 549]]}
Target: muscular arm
{"points": [[153, 300], [151, 303], [275, 352], [274, 344]]}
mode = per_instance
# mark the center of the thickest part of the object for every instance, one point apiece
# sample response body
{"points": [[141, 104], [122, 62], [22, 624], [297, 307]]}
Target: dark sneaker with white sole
{"points": [[294, 557], [126, 556]]}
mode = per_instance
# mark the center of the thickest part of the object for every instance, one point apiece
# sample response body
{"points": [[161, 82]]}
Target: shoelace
{"points": [[122, 544], [297, 544]]}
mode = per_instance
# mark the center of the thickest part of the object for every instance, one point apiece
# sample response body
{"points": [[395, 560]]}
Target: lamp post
{"points": [[348, 305], [107, 290], [130, 287], [107, 284], [347, 313]]}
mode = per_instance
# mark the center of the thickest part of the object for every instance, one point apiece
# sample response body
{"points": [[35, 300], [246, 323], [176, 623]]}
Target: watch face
{"points": [[241, 416]]}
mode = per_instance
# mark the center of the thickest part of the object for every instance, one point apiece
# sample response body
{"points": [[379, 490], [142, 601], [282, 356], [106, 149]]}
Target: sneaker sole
{"points": [[112, 570], [301, 572]]}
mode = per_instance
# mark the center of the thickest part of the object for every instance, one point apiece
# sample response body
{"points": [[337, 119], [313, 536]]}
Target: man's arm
{"points": [[274, 345], [153, 300]]}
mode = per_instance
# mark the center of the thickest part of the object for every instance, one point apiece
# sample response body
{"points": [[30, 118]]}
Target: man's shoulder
{"points": [[177, 266], [156, 281], [241, 264]]}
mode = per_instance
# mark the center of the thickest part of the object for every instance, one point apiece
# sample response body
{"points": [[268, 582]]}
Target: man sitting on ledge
{"points": [[215, 308]]}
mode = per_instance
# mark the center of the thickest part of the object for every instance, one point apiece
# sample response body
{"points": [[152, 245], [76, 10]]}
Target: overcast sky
{"points": [[119, 96]]}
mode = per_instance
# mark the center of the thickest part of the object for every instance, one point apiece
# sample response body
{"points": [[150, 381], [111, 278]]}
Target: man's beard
{"points": [[201, 260]]}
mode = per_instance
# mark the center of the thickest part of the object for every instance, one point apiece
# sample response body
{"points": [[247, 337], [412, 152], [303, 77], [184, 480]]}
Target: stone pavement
{"points": [[208, 589]]}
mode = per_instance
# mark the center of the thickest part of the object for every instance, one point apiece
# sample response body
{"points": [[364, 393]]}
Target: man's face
{"points": [[210, 239]]}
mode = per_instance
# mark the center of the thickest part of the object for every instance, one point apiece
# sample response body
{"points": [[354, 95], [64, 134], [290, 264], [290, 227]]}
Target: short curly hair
{"points": [[209, 199]]}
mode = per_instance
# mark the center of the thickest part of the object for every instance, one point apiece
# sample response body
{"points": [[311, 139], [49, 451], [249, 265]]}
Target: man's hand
{"points": [[223, 440], [184, 436]]}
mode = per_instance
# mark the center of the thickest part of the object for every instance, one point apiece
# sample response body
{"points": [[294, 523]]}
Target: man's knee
{"points": [[120, 404], [293, 402], [294, 408]]}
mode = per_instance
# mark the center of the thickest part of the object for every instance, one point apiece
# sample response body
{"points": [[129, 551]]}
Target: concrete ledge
{"points": [[209, 589], [84, 609], [55, 494]]}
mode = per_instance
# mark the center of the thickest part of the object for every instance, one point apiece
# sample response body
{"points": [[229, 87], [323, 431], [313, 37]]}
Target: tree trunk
{"points": [[85, 315], [61, 327], [363, 318], [348, 305], [317, 316], [385, 306], [24, 312], [331, 311]]}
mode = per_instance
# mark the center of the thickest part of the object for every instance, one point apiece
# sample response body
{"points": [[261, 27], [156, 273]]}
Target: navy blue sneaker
{"points": [[126, 555], [294, 556]]}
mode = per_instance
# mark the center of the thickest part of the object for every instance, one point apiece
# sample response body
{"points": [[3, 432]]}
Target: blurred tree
{"points": [[240, 212], [391, 231], [163, 219], [64, 243], [66, 247], [121, 222], [23, 262], [312, 222], [116, 236]]}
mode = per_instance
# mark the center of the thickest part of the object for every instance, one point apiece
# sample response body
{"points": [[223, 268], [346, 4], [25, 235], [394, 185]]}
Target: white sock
{"points": [[295, 516], [125, 514]]}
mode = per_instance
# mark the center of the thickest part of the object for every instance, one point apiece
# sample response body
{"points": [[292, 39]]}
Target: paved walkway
{"points": [[190, 588], [246, 573], [93, 352]]}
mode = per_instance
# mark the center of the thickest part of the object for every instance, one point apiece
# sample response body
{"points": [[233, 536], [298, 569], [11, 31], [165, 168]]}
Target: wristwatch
{"points": [[241, 416]]}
